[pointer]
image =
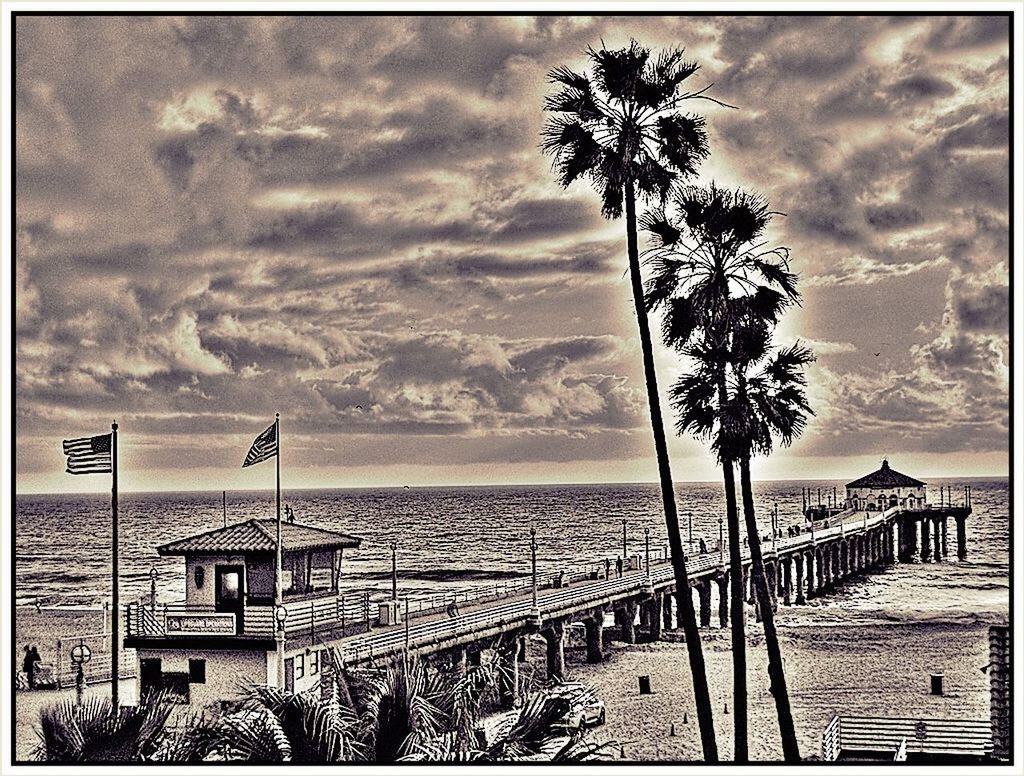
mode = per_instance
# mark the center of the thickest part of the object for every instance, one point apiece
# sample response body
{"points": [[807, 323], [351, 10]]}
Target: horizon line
{"points": [[461, 485]]}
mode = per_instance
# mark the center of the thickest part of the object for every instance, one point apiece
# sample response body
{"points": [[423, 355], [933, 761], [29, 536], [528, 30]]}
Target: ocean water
{"points": [[468, 536]]}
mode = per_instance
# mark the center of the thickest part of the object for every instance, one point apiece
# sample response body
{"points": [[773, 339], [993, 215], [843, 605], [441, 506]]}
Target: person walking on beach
{"points": [[31, 658]]}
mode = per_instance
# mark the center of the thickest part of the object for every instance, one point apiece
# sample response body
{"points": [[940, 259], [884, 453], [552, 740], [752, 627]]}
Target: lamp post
{"points": [[625, 551], [152, 589], [533, 563], [280, 615], [394, 571], [721, 542], [647, 551], [689, 522]]}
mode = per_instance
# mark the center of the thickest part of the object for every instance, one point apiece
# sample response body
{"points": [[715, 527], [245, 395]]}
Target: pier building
{"points": [[230, 631]]}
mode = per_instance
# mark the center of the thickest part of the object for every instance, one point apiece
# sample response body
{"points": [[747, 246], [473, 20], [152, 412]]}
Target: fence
{"points": [[905, 736]]}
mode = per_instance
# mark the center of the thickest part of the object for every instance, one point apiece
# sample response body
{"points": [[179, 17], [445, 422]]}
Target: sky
{"points": [[349, 220]]}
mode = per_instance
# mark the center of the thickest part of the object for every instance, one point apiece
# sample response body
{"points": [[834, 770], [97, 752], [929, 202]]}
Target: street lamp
{"points": [[721, 542], [394, 571], [280, 615], [625, 551], [689, 521], [152, 588], [647, 551], [535, 611]]}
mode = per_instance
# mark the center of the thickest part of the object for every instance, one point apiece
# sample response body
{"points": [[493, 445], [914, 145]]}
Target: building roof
{"points": [[258, 535], [885, 478]]}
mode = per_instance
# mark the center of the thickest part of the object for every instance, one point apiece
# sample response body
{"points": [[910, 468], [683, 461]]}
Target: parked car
{"points": [[585, 708]]}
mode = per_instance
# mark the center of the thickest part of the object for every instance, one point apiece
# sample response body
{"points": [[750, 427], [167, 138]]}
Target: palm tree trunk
{"points": [[701, 695], [736, 614], [790, 749]]}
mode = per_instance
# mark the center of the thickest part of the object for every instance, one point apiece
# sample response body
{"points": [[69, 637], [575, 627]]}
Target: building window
{"points": [[300, 666], [197, 671], [200, 575], [314, 663]]}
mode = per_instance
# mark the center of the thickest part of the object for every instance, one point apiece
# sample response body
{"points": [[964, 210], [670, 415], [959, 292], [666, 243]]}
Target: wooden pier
{"points": [[643, 601]]}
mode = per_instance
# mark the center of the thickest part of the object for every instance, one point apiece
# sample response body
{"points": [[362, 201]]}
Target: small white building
{"points": [[883, 489], [229, 632]]}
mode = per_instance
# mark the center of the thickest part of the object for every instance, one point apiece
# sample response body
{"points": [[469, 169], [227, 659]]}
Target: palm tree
{"points": [[710, 268], [768, 403], [621, 128]]}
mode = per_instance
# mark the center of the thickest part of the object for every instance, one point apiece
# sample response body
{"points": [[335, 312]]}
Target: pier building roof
{"points": [[259, 535], [885, 478]]}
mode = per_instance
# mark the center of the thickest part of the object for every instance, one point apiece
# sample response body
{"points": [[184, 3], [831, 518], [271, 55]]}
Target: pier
{"points": [[312, 630]]}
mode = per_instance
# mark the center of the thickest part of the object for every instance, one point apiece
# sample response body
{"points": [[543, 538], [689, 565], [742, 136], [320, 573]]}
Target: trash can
{"points": [[936, 684], [645, 685]]}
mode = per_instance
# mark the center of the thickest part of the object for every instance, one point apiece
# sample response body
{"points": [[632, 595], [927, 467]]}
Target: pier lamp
{"points": [[280, 615], [152, 588], [721, 542], [535, 611], [689, 522], [625, 551], [647, 551], [394, 571]]}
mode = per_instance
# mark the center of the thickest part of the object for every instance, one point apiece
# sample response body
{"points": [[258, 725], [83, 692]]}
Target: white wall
{"points": [[228, 672]]}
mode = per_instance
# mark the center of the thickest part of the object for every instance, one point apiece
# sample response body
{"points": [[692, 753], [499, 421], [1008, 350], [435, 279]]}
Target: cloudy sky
{"points": [[348, 220]]}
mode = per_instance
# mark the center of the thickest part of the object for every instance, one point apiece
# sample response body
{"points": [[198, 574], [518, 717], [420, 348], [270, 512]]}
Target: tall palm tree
{"points": [[621, 128], [710, 268], [769, 401]]}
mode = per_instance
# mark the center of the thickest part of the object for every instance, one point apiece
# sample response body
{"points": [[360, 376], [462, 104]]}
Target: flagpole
{"points": [[278, 592], [115, 612], [277, 437]]}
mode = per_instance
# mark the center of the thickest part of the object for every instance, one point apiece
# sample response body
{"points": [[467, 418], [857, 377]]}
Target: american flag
{"points": [[263, 448], [88, 455]]}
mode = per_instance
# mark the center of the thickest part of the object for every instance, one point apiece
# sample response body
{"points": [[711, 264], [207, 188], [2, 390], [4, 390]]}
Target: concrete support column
{"points": [[811, 567], [723, 599], [844, 558], [626, 617], [748, 588], [771, 577], [836, 570], [926, 545], [937, 539], [654, 616], [825, 582], [508, 679], [594, 625], [798, 560], [945, 538], [679, 610], [787, 581], [894, 541], [554, 637], [704, 595], [457, 661], [645, 616], [961, 537], [666, 610]]}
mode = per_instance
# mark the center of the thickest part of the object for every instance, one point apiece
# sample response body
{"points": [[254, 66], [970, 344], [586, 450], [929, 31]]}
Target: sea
{"points": [[464, 537]]}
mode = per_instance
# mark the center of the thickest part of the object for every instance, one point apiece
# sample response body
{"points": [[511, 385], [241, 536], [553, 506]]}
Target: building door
{"points": [[150, 675], [229, 594]]}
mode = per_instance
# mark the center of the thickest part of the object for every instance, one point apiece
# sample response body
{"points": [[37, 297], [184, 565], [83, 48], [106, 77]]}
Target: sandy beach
{"points": [[880, 670]]}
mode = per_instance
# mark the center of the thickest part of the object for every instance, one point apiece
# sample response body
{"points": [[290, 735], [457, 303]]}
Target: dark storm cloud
{"points": [[350, 217]]}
